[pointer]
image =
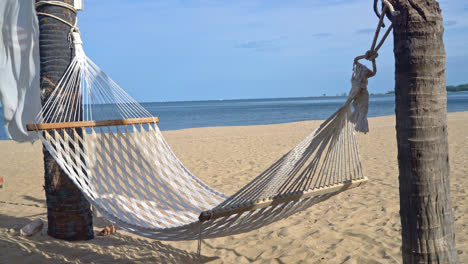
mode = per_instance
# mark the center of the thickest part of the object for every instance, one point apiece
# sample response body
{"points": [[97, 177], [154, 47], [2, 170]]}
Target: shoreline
{"points": [[253, 125]]}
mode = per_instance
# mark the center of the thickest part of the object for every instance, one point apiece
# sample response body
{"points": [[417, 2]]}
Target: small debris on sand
{"points": [[32, 228], [108, 230]]}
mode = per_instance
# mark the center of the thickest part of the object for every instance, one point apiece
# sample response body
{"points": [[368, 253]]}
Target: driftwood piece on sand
{"points": [[32, 228], [108, 230]]}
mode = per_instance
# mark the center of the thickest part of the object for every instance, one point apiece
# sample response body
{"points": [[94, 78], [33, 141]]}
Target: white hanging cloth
{"points": [[19, 67]]}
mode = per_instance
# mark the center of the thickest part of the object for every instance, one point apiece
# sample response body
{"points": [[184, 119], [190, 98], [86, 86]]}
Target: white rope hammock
{"points": [[113, 150]]}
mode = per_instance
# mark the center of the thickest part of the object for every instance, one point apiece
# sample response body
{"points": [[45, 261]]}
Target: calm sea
{"points": [[179, 115]]}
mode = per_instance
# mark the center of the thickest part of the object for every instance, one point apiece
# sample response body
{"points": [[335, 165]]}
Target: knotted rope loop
{"points": [[372, 54], [388, 5]]}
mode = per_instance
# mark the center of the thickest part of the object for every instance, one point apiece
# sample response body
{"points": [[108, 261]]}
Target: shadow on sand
{"points": [[117, 248]]}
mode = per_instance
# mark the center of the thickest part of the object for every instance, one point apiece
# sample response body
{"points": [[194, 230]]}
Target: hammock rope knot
{"points": [[371, 55]]}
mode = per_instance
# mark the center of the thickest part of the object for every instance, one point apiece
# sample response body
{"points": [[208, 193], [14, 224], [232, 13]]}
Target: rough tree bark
{"points": [[68, 212], [421, 123]]}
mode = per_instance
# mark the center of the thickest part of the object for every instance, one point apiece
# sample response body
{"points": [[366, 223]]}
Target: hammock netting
{"points": [[127, 171]]}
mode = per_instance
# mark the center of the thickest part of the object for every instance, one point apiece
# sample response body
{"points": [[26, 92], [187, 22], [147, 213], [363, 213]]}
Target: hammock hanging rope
{"points": [[113, 150]]}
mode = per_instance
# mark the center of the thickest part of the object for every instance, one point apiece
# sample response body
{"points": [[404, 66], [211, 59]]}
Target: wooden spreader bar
{"points": [[210, 215], [97, 123]]}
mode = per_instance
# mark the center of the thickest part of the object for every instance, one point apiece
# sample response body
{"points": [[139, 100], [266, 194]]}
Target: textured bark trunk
{"points": [[421, 124], [68, 212]]}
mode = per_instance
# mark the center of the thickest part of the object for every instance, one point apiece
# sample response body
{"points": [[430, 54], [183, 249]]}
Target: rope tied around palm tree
{"points": [[372, 53], [73, 27]]}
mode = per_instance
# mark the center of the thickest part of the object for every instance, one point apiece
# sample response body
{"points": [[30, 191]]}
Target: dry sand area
{"points": [[358, 226]]}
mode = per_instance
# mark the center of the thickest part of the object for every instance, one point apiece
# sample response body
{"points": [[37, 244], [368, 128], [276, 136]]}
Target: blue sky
{"points": [[204, 49]]}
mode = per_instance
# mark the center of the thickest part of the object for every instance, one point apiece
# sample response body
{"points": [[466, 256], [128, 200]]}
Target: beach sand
{"points": [[358, 226]]}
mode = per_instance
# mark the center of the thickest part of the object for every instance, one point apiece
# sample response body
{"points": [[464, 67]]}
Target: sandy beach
{"points": [[358, 226]]}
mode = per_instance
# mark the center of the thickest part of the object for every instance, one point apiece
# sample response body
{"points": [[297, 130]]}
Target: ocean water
{"points": [[190, 114]]}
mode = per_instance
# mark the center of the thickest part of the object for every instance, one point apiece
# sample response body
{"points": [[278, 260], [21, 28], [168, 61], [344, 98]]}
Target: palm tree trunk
{"points": [[421, 123], [68, 212]]}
